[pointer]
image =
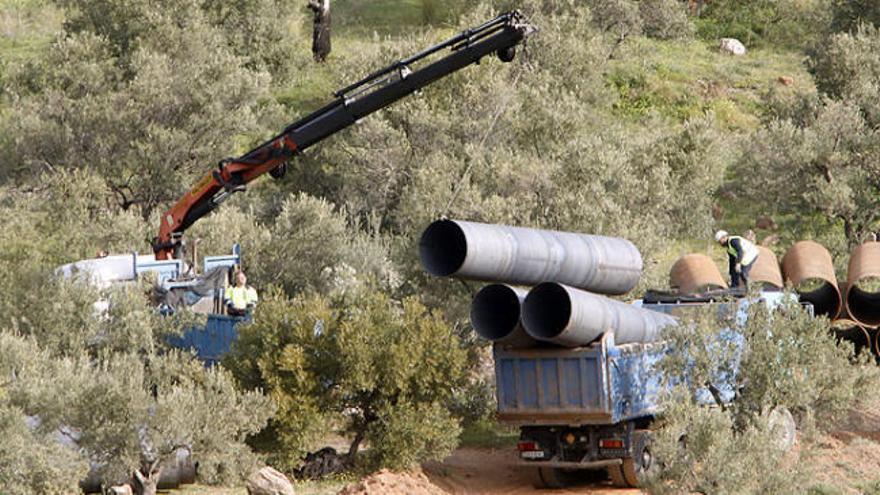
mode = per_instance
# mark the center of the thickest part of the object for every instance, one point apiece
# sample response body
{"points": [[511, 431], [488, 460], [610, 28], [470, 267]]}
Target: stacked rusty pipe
{"points": [[697, 273], [862, 299], [808, 267], [565, 268]]}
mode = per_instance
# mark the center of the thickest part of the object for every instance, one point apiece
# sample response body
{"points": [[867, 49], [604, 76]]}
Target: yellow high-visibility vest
{"points": [[241, 297], [750, 251]]}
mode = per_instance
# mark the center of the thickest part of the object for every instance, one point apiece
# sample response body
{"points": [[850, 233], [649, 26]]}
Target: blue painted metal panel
{"points": [[550, 382], [212, 341], [573, 377], [528, 382], [507, 385]]}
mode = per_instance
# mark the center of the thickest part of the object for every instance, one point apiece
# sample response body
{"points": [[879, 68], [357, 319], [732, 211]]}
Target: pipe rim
{"points": [[825, 299], [863, 306], [546, 311], [443, 248], [495, 312]]}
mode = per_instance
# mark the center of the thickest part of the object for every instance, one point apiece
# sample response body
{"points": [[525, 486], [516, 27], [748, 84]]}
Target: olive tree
{"points": [[382, 370], [823, 164], [776, 357], [148, 107]]}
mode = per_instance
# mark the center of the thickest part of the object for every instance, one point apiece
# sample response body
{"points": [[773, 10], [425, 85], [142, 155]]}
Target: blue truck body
{"points": [[211, 342], [598, 384], [592, 407]]}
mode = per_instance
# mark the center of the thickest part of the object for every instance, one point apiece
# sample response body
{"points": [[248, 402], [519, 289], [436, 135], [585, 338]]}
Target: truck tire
{"points": [[634, 469], [548, 477]]}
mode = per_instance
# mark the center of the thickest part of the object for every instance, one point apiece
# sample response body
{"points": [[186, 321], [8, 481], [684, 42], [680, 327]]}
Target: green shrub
{"points": [[385, 371], [787, 358]]}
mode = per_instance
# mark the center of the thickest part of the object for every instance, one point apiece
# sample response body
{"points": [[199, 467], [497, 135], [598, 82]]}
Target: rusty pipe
{"points": [[809, 261], [572, 317], [863, 302], [522, 256], [495, 315], [852, 332], [695, 273], [766, 270]]}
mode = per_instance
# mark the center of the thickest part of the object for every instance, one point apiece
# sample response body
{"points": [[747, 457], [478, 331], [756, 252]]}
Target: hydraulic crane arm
{"points": [[376, 91]]}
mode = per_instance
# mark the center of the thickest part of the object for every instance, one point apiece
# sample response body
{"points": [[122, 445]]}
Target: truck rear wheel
{"points": [[634, 469], [548, 477]]}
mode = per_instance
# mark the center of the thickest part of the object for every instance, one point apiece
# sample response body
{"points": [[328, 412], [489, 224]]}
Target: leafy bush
{"points": [[793, 23], [665, 19], [384, 371], [846, 67], [785, 358]]}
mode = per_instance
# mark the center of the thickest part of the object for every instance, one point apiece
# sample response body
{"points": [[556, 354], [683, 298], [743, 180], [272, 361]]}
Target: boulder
{"points": [[120, 490], [765, 223], [268, 481], [732, 46]]}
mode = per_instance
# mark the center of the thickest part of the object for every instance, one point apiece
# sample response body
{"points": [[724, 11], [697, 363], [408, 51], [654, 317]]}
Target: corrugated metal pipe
{"points": [[517, 255], [695, 273], [495, 315], [766, 270], [852, 332], [809, 268], [571, 317], [863, 284]]}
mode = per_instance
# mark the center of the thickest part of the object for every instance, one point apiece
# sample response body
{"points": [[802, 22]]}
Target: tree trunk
{"points": [[321, 29], [353, 448], [146, 484]]}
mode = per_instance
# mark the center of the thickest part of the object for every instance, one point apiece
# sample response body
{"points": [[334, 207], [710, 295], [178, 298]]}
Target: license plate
{"points": [[532, 454]]}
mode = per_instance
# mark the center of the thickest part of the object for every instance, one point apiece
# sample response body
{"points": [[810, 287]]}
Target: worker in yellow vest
{"points": [[240, 298], [741, 256]]}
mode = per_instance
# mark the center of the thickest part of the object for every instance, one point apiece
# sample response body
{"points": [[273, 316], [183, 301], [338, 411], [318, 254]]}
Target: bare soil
{"points": [[469, 471], [847, 461]]}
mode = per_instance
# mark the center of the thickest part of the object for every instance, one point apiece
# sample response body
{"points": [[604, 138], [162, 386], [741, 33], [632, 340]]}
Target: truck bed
{"points": [[598, 384]]}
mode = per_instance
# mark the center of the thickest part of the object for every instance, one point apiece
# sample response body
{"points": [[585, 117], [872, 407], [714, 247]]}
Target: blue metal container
{"points": [[212, 341], [599, 384]]}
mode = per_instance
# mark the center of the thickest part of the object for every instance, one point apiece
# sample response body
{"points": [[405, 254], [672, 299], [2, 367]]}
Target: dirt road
{"points": [[490, 472]]}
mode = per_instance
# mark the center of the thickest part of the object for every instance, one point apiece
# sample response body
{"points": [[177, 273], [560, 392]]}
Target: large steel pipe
{"points": [[572, 317], [766, 273], [517, 255], [852, 332], [808, 267], [495, 315], [863, 284], [695, 273]]}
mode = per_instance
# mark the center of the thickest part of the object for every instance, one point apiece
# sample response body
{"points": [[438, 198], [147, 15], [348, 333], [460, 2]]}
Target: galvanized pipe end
{"points": [[443, 248], [495, 315], [546, 311]]}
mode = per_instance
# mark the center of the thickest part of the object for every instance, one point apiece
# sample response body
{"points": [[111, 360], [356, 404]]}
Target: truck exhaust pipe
{"points": [[863, 284], [522, 256], [695, 273], [495, 315], [571, 317], [809, 268]]}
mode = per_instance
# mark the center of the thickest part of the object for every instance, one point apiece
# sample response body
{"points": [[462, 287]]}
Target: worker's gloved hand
{"points": [[738, 268]]}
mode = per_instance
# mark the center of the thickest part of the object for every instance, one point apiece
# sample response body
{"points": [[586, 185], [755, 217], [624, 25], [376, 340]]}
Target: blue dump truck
{"points": [[591, 407]]}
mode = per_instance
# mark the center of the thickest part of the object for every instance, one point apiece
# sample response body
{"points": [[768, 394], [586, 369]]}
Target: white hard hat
{"points": [[721, 234]]}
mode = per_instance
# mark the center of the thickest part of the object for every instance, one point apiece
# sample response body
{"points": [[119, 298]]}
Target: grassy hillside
{"points": [[675, 80]]}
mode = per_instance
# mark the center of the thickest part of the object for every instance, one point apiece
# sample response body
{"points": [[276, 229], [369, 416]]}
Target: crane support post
{"points": [[378, 90]]}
